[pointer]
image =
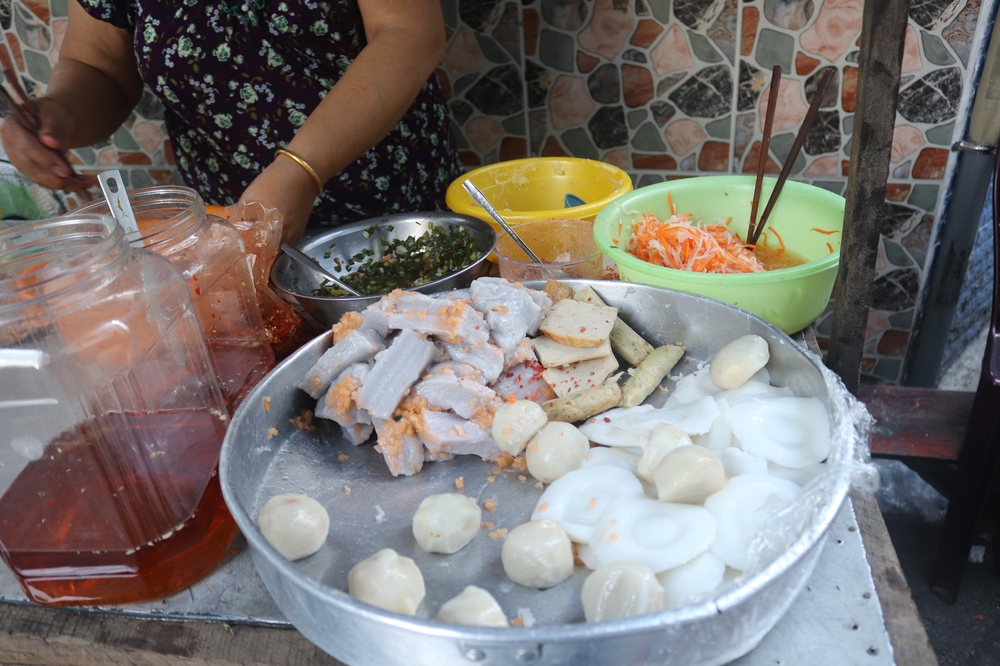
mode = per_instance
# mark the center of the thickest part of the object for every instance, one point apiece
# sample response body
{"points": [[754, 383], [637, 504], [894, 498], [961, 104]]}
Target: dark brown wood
{"points": [[64, 637], [910, 645], [882, 32], [800, 138], [765, 143], [917, 422]]}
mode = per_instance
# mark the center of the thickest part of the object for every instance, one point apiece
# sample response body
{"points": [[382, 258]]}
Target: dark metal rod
{"points": [[948, 267], [882, 37]]}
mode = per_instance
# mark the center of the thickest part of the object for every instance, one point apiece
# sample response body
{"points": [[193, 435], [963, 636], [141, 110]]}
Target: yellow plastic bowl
{"points": [[535, 189], [808, 219]]}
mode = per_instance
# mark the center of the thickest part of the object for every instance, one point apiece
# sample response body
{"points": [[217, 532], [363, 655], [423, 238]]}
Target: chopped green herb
{"points": [[406, 262]]}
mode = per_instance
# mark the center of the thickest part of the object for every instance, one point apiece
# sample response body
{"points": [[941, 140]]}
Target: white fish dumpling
{"points": [[792, 432], [619, 590], [800, 476], [296, 525], [737, 461], [389, 581], [664, 439], [537, 554], [474, 607], [688, 475], [742, 510], [558, 448], [608, 455], [693, 582], [739, 361], [660, 535], [515, 423], [578, 499], [446, 523]]}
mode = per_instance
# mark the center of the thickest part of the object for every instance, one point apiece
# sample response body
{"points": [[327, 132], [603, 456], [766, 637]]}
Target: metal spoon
{"points": [[312, 265], [118, 203], [481, 199]]}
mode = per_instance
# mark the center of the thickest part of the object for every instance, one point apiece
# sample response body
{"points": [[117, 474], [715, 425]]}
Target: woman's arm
{"points": [[91, 91], [406, 42]]}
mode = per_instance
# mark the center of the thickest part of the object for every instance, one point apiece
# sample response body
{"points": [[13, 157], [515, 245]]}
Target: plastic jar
{"points": [[211, 255], [112, 419]]}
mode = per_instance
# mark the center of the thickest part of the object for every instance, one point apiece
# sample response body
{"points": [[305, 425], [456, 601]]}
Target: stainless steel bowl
{"points": [[371, 510], [297, 283]]}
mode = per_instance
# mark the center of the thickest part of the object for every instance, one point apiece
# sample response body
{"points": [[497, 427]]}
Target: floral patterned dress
{"points": [[237, 78]]}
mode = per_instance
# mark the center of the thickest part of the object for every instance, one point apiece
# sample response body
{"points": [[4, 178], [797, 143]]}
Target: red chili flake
{"points": [[607, 420], [583, 329], [194, 277], [197, 290], [509, 375]]}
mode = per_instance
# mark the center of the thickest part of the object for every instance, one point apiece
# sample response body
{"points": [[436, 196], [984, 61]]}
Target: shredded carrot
{"points": [[673, 208], [780, 242], [676, 243], [829, 247], [824, 231]]}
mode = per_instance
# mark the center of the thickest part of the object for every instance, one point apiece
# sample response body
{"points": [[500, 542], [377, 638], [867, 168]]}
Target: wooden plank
{"points": [[882, 31], [910, 645], [917, 422], [66, 637]]}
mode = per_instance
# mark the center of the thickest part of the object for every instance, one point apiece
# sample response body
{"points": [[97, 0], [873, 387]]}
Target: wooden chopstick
{"points": [[765, 142], [800, 138]]}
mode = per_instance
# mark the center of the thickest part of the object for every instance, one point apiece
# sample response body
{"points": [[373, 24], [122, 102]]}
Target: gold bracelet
{"points": [[302, 163]]}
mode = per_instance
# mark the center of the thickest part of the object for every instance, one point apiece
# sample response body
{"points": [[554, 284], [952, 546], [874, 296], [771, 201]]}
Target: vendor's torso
{"points": [[238, 78]]}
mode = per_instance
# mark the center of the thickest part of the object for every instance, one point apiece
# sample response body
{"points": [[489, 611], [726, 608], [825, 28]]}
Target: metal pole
{"points": [[882, 34]]}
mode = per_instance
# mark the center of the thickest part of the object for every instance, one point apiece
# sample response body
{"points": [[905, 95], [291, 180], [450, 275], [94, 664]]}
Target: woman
{"points": [[287, 102]]}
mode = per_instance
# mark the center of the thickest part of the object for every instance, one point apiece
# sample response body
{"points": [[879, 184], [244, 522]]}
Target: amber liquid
{"points": [[775, 258], [238, 368], [118, 510]]}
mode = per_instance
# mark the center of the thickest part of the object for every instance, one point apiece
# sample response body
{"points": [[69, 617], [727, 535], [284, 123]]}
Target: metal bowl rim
{"points": [[477, 225]]}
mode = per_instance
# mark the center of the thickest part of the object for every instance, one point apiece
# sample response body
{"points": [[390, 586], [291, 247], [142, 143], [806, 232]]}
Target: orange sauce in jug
{"points": [[111, 513]]}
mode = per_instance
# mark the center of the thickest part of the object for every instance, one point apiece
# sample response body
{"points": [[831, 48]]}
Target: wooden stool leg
{"points": [[977, 465]]}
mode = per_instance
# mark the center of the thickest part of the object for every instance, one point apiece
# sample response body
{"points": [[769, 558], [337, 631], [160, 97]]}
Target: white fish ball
{"points": [[558, 448], [688, 475], [665, 438], [537, 554], [739, 361], [515, 423], [389, 581], [296, 525], [621, 589], [446, 523], [474, 607], [693, 582]]}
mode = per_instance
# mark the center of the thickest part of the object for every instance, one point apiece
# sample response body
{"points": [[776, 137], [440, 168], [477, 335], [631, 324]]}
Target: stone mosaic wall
{"points": [[667, 89], [660, 88]]}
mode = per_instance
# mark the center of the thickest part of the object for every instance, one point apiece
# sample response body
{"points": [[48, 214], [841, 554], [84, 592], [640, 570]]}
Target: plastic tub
{"points": [[807, 219], [535, 189], [566, 248]]}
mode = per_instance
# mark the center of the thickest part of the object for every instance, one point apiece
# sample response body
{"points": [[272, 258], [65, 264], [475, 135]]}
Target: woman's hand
{"points": [[287, 187], [39, 152]]}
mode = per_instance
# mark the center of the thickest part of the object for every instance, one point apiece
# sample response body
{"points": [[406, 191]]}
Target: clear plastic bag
{"points": [[260, 227]]}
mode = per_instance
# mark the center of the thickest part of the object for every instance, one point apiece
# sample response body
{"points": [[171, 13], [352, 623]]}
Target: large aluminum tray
{"points": [[371, 510]]}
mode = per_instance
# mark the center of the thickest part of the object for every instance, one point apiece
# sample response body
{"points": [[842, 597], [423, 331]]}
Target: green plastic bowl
{"points": [[808, 219]]}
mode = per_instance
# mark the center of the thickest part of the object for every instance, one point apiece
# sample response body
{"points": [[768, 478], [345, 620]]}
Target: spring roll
{"points": [[583, 404], [649, 374]]}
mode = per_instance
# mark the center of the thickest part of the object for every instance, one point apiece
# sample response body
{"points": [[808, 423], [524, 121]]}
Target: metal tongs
{"points": [[27, 114]]}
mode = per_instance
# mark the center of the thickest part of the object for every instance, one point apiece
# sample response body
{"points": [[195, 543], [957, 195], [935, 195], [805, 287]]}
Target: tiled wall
{"points": [[661, 88], [666, 89]]}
